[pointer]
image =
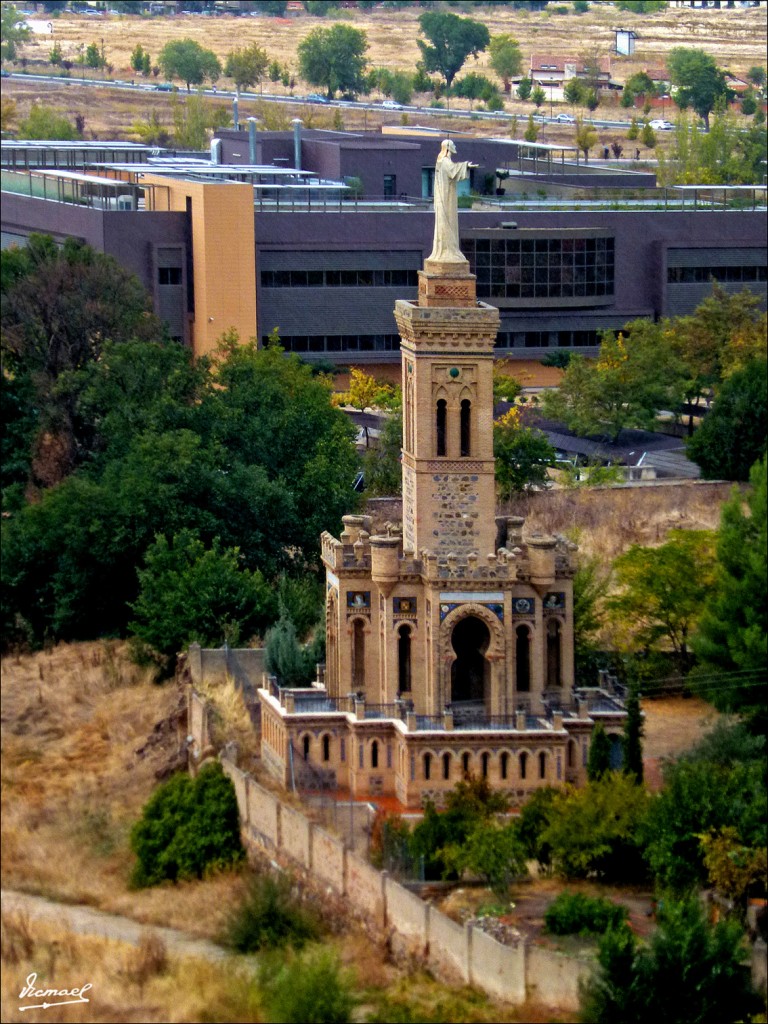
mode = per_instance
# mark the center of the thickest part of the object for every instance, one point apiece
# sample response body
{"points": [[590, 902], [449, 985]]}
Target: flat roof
{"points": [[90, 179], [57, 144], [717, 188]]}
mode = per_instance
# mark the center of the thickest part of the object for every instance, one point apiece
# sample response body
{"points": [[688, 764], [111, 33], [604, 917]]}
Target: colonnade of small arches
{"points": [[528, 765]]}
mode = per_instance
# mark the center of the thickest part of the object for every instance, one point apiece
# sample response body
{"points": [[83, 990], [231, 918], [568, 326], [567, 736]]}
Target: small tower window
{"points": [[523, 765], [466, 412], [326, 748], [440, 421], [504, 762], [375, 754], [465, 763], [404, 659], [542, 766], [484, 765], [305, 747], [446, 766], [427, 766]]}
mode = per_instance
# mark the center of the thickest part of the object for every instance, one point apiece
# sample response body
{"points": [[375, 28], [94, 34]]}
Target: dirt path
{"points": [[87, 921]]}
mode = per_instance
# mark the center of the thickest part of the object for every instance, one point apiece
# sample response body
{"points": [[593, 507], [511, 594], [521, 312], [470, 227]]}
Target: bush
{"points": [[268, 918], [188, 828], [573, 913], [307, 989]]}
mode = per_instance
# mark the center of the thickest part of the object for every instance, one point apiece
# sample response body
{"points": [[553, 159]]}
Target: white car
{"points": [[391, 105], [661, 126], [565, 119]]}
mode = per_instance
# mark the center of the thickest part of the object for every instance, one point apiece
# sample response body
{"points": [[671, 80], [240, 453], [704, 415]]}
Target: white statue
{"points": [[448, 174]]}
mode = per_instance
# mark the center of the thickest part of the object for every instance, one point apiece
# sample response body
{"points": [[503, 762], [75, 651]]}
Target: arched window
{"points": [[504, 765], [523, 653], [404, 658], [446, 766], [571, 754], [484, 765], [305, 747], [375, 754], [523, 765], [542, 766], [440, 421], [427, 766], [465, 763], [326, 747], [554, 657], [358, 655], [465, 438]]}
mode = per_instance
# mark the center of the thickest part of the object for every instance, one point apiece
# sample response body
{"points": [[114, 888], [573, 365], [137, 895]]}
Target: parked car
{"points": [[659, 125], [164, 87], [391, 105], [315, 97], [565, 119]]}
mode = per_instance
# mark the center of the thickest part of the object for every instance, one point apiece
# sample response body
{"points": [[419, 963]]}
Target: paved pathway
{"points": [[87, 921]]}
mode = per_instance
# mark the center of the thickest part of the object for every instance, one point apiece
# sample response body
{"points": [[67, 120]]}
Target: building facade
{"points": [[449, 637]]}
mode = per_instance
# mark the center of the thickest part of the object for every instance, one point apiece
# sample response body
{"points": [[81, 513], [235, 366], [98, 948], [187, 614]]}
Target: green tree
{"points": [[190, 594], [493, 852], [55, 56], [630, 381], [13, 31], [648, 136], [310, 988], [140, 60], [640, 84], [538, 97], [59, 305], [732, 638], [633, 736], [190, 62], [523, 456], [586, 137], [698, 80], [531, 130], [193, 118], [633, 132], [533, 822], [246, 66], [594, 830], [690, 973], [334, 58], [285, 657], [506, 58], [94, 58], [187, 828], [590, 586], [599, 759], [734, 869], [524, 89], [657, 594], [573, 91], [732, 436], [46, 123], [451, 40], [721, 782], [381, 465], [269, 917]]}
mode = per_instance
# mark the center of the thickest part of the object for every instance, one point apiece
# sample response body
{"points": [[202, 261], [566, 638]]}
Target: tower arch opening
{"points": [[523, 659], [470, 672]]}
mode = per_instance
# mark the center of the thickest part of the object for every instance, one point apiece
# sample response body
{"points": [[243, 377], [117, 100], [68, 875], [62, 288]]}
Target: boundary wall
{"points": [[412, 928]]}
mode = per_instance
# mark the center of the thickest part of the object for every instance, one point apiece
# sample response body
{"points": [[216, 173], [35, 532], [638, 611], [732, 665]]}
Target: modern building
{"points": [[317, 233]]}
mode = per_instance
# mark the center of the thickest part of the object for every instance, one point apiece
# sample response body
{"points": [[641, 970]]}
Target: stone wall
{"points": [[456, 953]]}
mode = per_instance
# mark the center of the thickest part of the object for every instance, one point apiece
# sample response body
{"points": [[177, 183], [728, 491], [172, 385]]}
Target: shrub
{"points": [[268, 918], [307, 989], [188, 828], [573, 913]]}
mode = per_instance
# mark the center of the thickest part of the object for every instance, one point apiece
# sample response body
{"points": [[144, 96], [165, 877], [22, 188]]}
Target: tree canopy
{"points": [[243, 451], [699, 81], [733, 434], [451, 40], [246, 66], [523, 455], [190, 62], [506, 58], [13, 30], [732, 638], [334, 58]]}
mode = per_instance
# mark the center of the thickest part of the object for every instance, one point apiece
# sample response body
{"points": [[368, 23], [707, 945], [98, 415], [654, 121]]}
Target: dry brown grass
{"points": [[129, 983], [604, 522], [85, 735], [736, 39]]}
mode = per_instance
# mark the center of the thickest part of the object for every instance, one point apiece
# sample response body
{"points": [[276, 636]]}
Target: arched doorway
{"points": [[523, 657], [470, 672]]}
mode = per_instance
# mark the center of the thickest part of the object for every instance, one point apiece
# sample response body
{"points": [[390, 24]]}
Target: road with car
{"points": [[315, 97]]}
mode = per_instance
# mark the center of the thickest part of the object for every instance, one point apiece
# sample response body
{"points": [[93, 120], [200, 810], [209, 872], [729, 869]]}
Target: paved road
{"points": [[87, 921]]}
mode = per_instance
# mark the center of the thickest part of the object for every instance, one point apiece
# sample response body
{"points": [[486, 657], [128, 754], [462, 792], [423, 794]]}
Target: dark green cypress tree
{"points": [[599, 760], [632, 741]]}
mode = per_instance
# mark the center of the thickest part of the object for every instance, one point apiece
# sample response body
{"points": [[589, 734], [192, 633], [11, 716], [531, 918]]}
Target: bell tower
{"points": [[447, 366]]}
